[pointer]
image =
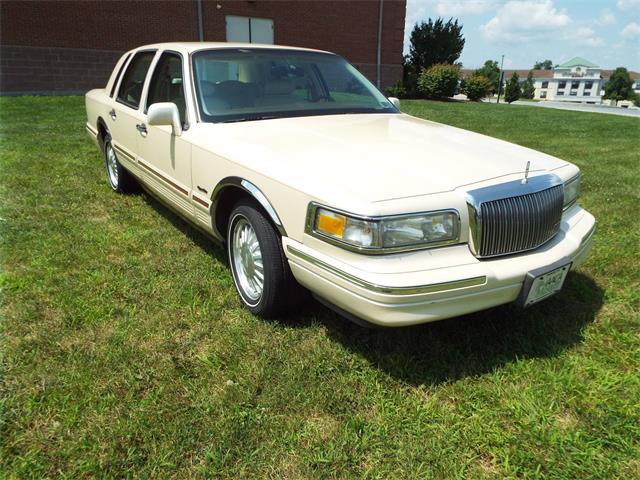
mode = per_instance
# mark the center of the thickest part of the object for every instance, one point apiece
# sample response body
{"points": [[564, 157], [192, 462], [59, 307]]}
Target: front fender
{"points": [[249, 188]]}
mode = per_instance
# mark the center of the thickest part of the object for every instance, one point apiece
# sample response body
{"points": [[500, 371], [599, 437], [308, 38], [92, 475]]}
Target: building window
{"points": [[586, 93], [562, 84], [575, 84], [560, 92], [249, 29], [543, 94], [545, 84], [588, 85], [573, 93]]}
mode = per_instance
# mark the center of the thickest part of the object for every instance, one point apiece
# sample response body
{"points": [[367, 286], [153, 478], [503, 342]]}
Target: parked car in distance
{"points": [[312, 178]]}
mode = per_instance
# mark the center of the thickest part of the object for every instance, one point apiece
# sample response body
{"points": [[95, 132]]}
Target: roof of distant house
{"points": [[578, 62]]}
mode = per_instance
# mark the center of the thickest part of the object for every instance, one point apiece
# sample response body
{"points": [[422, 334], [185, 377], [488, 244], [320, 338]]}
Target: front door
{"points": [[165, 156]]}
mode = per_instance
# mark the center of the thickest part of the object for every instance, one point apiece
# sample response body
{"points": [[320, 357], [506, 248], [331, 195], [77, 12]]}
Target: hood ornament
{"points": [[526, 173]]}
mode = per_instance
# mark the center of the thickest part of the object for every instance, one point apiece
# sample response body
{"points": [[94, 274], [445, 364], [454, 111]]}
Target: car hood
{"points": [[374, 157]]}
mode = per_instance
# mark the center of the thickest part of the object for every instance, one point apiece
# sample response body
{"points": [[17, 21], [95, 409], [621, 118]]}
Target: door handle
{"points": [[112, 114], [142, 128]]}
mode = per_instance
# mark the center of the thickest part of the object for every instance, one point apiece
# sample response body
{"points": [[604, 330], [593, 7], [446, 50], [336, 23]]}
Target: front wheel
{"points": [[260, 270]]}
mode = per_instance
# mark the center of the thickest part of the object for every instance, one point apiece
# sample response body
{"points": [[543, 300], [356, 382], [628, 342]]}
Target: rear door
{"points": [[125, 117], [165, 156]]}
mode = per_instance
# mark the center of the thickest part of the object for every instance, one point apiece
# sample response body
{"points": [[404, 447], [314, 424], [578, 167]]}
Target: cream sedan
{"points": [[311, 177]]}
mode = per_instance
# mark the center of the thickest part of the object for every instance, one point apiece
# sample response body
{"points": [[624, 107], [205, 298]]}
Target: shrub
{"points": [[512, 89], [396, 90], [476, 87], [528, 87], [439, 81]]}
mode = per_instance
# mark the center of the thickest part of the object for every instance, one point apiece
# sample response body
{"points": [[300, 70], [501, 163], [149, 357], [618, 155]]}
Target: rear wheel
{"points": [[260, 270], [120, 179]]}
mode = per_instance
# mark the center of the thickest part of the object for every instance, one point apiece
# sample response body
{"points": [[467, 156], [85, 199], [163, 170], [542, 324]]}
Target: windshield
{"points": [[252, 84]]}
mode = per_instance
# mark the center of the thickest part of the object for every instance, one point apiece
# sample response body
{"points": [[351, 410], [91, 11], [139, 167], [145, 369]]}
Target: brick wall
{"points": [[72, 45], [47, 70]]}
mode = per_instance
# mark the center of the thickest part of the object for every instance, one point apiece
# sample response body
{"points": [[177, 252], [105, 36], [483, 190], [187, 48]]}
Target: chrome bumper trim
{"points": [[413, 290], [588, 236]]}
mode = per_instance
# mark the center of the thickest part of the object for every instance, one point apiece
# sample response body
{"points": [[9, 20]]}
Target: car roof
{"points": [[191, 47]]}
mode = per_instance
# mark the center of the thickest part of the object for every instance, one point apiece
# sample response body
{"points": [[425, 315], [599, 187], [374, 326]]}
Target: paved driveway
{"points": [[580, 107]]}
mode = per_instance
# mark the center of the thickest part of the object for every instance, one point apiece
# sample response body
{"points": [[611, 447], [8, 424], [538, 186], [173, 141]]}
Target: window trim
{"points": [[116, 80], [185, 125], [142, 95]]}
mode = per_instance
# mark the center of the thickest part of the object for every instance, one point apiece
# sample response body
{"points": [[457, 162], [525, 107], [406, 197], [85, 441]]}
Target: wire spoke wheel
{"points": [[112, 166], [247, 260]]}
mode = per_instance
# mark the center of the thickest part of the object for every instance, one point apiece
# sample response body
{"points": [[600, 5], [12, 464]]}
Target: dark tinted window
{"points": [[115, 80], [133, 79], [248, 84], [167, 84]]}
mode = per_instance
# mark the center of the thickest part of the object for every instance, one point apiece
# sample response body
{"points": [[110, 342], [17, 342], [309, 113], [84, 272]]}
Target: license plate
{"points": [[543, 285]]}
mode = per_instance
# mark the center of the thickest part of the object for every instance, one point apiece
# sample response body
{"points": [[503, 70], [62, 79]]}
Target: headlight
{"points": [[384, 234], [571, 191]]}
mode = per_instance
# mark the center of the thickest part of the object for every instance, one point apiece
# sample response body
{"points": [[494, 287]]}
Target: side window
{"points": [[166, 83], [133, 79], [118, 75]]}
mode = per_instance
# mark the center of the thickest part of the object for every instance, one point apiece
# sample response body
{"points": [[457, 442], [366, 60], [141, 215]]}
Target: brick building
{"points": [[70, 46]]}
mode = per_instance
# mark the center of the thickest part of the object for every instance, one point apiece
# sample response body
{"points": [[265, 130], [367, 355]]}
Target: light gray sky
{"points": [[606, 32]]}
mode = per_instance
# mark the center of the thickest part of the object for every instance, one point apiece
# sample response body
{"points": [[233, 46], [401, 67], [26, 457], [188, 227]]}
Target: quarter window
{"points": [[115, 80], [167, 83], [132, 82]]}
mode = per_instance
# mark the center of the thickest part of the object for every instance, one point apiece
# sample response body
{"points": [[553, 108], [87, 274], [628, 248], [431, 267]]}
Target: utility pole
{"points": [[500, 80]]}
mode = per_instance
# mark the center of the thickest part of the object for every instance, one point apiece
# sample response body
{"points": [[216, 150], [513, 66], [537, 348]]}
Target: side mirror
{"points": [[395, 102], [165, 113]]}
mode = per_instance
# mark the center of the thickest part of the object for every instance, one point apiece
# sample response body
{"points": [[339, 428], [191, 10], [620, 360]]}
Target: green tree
{"points": [[619, 86], [477, 87], [431, 42], [490, 70], [544, 65], [528, 88], [512, 88], [439, 81]]}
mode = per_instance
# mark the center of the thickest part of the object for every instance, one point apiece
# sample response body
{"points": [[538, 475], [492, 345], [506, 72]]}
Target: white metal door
{"points": [[249, 29], [261, 30]]}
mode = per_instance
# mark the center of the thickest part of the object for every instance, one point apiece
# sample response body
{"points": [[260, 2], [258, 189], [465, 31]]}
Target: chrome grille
{"points": [[507, 224]]}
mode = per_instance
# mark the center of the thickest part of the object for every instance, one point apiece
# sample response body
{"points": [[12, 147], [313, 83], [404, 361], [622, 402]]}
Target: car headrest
{"points": [[207, 88], [279, 87]]}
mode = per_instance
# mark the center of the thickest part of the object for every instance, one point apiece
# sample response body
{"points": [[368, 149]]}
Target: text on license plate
{"points": [[546, 285]]}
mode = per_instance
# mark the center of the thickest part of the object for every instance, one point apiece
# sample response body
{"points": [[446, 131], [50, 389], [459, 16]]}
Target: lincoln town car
{"points": [[314, 181]]}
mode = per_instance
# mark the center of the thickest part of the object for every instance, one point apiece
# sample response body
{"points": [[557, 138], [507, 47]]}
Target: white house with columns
{"points": [[577, 80]]}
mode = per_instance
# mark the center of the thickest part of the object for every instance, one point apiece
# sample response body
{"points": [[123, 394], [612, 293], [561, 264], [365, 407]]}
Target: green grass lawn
{"points": [[126, 353]]}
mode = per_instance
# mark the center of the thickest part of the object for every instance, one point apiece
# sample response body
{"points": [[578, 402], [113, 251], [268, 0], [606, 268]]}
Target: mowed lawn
{"points": [[125, 352]]}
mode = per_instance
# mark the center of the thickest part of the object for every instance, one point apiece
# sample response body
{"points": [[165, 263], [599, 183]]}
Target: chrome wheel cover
{"points": [[247, 260], [112, 166]]}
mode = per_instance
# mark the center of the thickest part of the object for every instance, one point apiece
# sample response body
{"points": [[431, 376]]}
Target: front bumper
{"points": [[458, 283]]}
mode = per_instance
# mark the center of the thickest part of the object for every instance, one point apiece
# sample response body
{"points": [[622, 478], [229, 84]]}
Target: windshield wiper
{"points": [[250, 119]]}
